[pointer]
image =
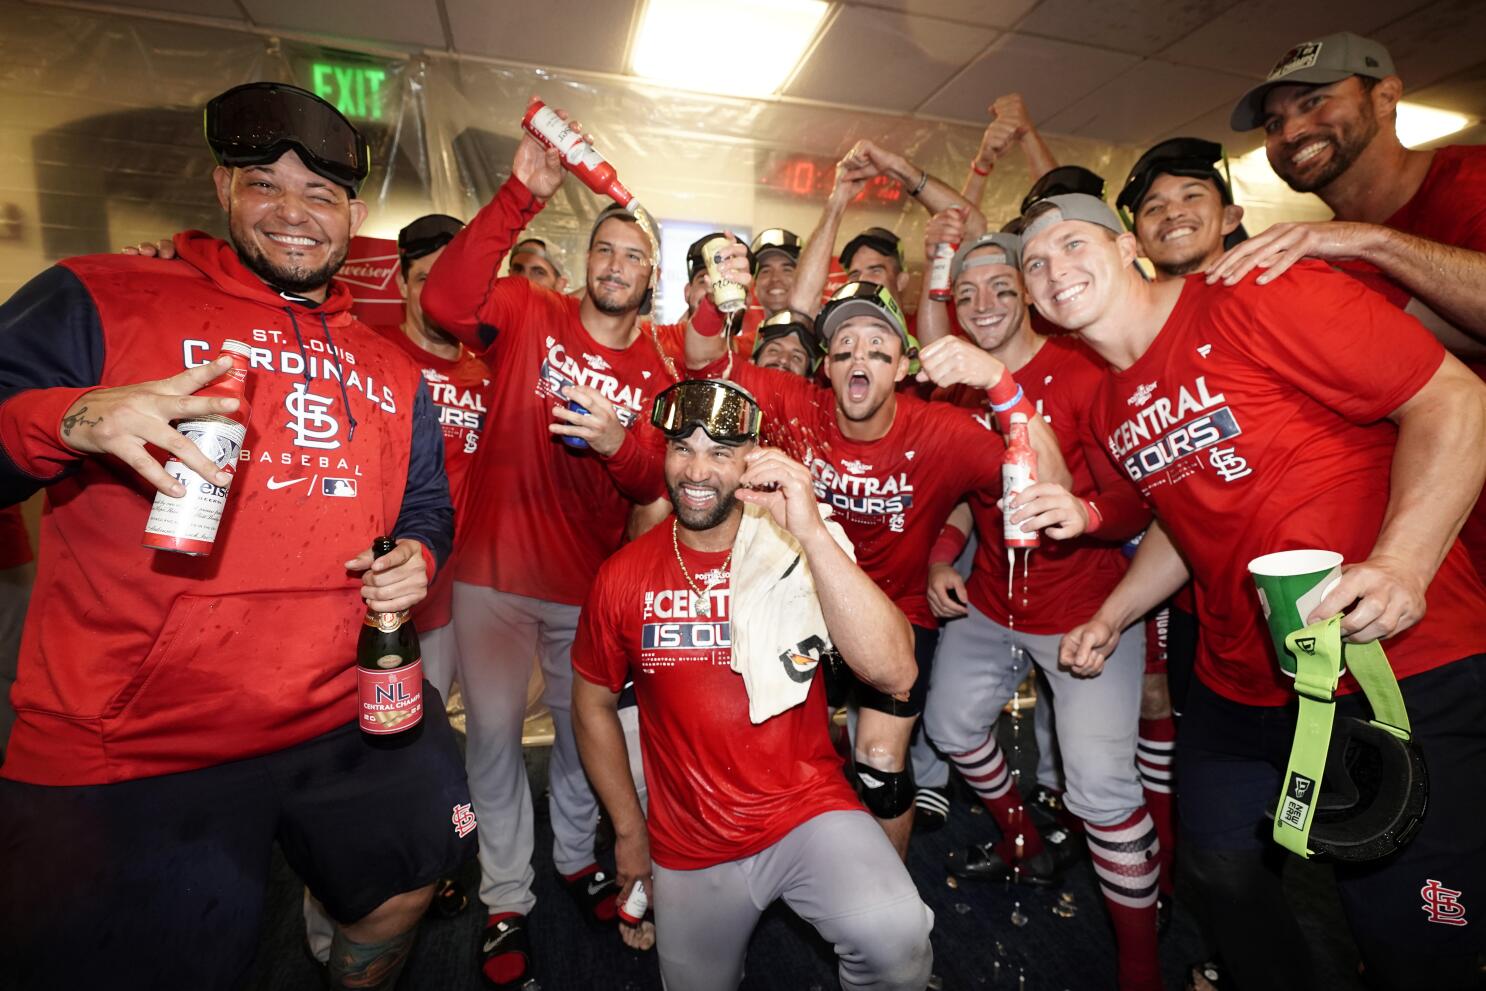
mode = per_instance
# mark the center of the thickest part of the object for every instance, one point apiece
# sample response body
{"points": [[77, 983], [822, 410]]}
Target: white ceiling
{"points": [[1124, 71]]}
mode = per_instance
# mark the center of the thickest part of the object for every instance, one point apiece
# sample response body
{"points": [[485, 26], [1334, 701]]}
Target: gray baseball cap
{"points": [[1069, 206], [1325, 60], [1010, 245]]}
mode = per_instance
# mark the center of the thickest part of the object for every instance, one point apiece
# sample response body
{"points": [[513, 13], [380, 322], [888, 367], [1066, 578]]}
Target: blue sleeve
{"points": [[427, 515], [51, 338]]}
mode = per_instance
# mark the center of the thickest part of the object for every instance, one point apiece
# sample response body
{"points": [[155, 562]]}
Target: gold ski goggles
{"points": [[727, 412]]}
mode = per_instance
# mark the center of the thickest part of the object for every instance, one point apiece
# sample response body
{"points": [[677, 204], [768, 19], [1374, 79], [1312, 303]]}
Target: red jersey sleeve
{"points": [[1121, 508], [1357, 355], [638, 467], [598, 648], [782, 396], [464, 294]]}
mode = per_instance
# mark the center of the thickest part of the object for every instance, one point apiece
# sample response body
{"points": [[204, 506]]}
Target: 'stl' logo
{"points": [[1442, 904], [313, 425]]}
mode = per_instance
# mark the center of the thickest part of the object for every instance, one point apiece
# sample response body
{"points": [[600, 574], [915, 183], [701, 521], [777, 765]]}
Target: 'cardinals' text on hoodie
{"points": [[138, 662]]}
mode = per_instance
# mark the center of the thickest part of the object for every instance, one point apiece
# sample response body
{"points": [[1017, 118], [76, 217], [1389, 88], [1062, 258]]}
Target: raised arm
{"points": [[872, 634], [464, 293], [932, 194], [814, 266]]}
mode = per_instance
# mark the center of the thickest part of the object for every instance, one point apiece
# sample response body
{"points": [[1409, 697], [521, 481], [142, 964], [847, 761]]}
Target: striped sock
{"points": [[1127, 862], [985, 771], [1153, 759]]}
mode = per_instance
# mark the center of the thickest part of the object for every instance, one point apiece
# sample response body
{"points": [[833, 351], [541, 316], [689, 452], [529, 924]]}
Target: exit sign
{"points": [[358, 91]]}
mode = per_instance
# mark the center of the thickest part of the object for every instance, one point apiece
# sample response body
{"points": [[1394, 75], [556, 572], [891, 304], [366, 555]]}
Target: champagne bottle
{"points": [[389, 673]]}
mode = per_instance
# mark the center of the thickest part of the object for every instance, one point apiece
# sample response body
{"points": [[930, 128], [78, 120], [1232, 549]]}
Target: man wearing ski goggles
{"points": [[1179, 205], [788, 341], [727, 412]]}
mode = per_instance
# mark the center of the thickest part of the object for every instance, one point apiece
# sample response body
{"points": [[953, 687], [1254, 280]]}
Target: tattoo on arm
{"points": [[373, 966], [78, 420]]}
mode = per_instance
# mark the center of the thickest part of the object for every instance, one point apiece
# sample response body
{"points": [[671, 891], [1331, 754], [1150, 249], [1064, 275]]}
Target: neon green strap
{"points": [[1318, 651]]}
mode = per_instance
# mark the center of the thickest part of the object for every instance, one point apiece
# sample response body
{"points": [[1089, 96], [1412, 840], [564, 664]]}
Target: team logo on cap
{"points": [[1300, 57]]}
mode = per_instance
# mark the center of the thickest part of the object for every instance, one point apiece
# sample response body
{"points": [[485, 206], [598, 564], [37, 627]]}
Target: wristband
{"points": [[975, 167], [707, 320], [1010, 404], [1096, 519], [1003, 388], [947, 548], [923, 180]]}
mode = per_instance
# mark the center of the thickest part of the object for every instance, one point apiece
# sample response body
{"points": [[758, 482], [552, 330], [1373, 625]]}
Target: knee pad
{"points": [[887, 794]]}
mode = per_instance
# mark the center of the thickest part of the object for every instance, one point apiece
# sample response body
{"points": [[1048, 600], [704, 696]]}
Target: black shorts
{"points": [[160, 882], [1229, 761], [925, 641]]}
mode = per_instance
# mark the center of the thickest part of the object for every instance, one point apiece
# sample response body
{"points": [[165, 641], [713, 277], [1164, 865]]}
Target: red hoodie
{"points": [[136, 662]]}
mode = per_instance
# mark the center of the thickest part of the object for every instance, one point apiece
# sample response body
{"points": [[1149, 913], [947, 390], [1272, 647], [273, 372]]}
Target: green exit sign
{"points": [[356, 90]]}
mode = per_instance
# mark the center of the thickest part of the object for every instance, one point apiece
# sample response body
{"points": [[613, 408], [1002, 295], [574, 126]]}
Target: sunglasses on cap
{"points": [[775, 239], [785, 323], [1061, 180], [427, 234], [727, 412], [254, 124], [1192, 157]]}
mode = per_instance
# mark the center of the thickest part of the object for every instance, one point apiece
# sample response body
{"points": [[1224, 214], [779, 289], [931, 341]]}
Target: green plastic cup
{"points": [[1291, 584]]}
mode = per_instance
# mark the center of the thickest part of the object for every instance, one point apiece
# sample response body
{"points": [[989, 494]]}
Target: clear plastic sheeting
{"points": [[102, 145]]}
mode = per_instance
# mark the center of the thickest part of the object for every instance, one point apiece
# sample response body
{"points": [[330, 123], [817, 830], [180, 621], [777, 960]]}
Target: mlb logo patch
{"points": [[1300, 57], [339, 488]]}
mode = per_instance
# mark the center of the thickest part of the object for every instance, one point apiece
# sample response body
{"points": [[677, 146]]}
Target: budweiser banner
{"points": [[371, 272]]}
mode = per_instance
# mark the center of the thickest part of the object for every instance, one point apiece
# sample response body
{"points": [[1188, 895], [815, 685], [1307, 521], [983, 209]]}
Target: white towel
{"points": [[779, 634]]}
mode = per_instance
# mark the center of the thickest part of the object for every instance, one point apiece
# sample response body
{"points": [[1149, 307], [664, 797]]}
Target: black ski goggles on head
{"points": [[787, 323], [254, 124], [1192, 157], [427, 234], [727, 412], [1061, 180]]}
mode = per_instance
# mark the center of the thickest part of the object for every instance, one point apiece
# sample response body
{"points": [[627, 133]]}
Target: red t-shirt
{"points": [[1449, 207], [547, 514], [460, 390], [1255, 423], [1067, 580], [891, 495], [721, 788]]}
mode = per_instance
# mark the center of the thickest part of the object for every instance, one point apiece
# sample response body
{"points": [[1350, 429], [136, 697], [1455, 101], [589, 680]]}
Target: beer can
{"points": [[577, 442], [188, 523], [727, 295]]}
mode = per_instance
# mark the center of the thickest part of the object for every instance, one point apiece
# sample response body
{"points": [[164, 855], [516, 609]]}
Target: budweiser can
{"points": [[188, 524]]}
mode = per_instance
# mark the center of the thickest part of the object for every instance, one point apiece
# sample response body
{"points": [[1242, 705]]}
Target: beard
{"points": [[618, 308], [706, 519], [1346, 147], [297, 279], [1179, 267]]}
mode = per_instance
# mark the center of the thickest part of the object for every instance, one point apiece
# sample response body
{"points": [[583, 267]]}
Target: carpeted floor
{"points": [[975, 943]]}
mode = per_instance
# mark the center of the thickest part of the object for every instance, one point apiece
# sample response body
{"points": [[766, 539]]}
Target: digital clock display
{"points": [[810, 177]]}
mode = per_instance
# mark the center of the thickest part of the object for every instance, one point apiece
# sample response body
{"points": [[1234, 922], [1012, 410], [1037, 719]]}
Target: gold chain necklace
{"points": [[703, 595]]}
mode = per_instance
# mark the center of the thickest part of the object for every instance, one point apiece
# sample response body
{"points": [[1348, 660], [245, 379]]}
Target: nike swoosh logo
{"points": [[274, 483], [594, 887], [492, 943]]}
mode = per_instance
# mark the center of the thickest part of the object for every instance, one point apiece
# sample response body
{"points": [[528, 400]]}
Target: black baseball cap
{"points": [[777, 239], [879, 239], [1061, 180], [426, 235], [255, 123]]}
